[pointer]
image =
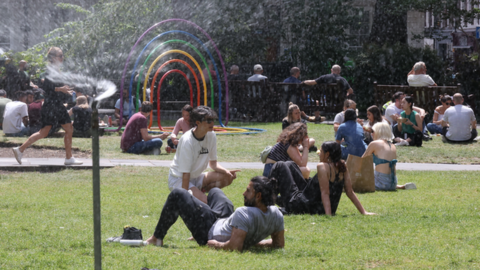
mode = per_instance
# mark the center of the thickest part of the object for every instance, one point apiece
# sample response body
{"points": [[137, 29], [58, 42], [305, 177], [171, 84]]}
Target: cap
{"points": [[257, 67]]}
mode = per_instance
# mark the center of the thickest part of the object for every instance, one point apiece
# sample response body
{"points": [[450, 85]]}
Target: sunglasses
{"points": [[209, 121], [449, 103]]}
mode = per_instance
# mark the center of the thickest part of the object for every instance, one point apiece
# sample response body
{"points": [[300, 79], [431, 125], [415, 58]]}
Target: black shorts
{"points": [[54, 114]]}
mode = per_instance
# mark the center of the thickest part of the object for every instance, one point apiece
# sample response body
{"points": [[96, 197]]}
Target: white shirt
{"points": [[459, 118], [420, 80], [257, 78], [391, 110], [192, 155], [12, 116], [339, 118]]}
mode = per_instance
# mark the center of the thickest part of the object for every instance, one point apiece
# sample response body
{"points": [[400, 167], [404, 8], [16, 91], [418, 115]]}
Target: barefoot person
{"points": [[53, 112], [384, 156], [216, 225], [196, 150]]}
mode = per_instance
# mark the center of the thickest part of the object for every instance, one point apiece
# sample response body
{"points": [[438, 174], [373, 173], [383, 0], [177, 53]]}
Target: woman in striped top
{"points": [[287, 148]]}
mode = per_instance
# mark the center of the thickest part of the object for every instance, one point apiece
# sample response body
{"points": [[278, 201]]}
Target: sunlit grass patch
{"points": [[47, 223]]}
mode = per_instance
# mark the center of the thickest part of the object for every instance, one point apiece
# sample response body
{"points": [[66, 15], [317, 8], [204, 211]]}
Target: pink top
{"points": [[181, 125]]}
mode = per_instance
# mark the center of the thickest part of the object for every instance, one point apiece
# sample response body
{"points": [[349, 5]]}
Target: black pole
{"points": [[97, 236]]}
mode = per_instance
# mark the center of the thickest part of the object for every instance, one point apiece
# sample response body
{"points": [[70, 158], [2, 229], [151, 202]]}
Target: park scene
{"points": [[250, 135]]}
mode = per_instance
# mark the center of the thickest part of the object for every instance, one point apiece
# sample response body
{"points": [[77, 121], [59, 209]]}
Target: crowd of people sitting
{"points": [[286, 179]]}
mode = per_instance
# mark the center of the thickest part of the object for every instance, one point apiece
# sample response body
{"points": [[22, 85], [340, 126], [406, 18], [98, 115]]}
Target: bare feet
{"points": [[154, 241]]}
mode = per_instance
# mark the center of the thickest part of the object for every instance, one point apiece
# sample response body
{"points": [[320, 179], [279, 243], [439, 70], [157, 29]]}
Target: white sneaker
{"points": [[157, 151], [18, 154], [73, 161], [402, 143], [410, 186]]}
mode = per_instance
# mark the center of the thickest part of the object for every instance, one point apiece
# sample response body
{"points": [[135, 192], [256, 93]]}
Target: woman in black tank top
{"points": [[333, 177]]}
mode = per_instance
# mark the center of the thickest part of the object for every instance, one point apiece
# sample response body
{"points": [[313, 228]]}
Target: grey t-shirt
{"points": [[252, 220]]}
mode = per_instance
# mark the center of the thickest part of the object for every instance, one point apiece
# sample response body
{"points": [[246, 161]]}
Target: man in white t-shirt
{"points": [[418, 77], [258, 70], [457, 122], [197, 149], [15, 116], [340, 117], [215, 224]]}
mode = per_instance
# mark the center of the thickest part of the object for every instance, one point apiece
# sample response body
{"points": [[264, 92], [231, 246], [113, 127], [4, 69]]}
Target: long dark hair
{"points": [[266, 186], [409, 99], [293, 134], [335, 155], [375, 111]]}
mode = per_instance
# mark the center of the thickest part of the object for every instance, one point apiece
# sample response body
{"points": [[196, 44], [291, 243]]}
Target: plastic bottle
{"points": [[308, 100], [74, 96], [109, 121], [133, 243]]}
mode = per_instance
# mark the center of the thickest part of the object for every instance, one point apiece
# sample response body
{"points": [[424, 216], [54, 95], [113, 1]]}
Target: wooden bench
{"points": [[426, 97]]}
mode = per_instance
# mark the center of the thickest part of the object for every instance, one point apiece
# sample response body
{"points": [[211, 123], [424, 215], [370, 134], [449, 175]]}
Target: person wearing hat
{"points": [[35, 111], [258, 70]]}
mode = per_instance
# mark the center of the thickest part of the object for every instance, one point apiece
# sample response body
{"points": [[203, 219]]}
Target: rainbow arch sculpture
{"points": [[122, 84]]}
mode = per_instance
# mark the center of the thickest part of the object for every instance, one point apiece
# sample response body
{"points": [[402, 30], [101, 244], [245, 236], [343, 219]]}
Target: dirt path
{"points": [[35, 151]]}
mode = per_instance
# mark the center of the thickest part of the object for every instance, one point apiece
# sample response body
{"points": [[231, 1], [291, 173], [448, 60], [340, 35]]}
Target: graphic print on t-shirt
{"points": [[203, 151]]}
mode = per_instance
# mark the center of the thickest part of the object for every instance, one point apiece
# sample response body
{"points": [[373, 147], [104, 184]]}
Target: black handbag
{"points": [[132, 233]]}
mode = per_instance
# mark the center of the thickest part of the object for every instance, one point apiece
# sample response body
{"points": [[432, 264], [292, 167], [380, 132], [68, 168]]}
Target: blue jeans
{"points": [[140, 147], [433, 128], [23, 132], [267, 169]]}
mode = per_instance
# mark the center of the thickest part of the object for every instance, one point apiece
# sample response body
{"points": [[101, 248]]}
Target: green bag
{"points": [[264, 153]]}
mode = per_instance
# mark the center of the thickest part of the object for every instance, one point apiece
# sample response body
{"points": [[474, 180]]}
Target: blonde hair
{"points": [[82, 102], [383, 131], [52, 53], [291, 108]]}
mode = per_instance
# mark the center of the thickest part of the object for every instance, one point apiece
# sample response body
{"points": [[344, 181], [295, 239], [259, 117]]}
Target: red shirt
{"points": [[132, 133], [35, 113]]}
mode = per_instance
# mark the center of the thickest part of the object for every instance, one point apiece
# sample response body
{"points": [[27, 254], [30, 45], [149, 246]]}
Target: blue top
{"points": [[292, 79], [352, 133], [391, 163]]}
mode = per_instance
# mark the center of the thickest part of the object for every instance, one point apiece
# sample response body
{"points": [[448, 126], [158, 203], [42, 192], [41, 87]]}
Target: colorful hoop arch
{"points": [[191, 58], [214, 45], [158, 93], [180, 41]]}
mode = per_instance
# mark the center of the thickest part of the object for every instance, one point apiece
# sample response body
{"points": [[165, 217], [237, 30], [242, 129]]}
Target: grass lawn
{"points": [[247, 148], [46, 223]]}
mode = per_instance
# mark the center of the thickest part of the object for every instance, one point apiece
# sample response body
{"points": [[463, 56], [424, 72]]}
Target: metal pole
{"points": [[97, 236]]}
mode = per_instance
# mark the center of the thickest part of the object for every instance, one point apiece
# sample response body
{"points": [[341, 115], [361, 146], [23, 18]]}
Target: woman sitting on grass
{"points": [[436, 125], [384, 157], [82, 118], [411, 125], [374, 116], [286, 148], [183, 124], [352, 134], [294, 115], [321, 194]]}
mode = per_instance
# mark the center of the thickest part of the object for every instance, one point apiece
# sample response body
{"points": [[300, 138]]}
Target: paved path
{"points": [[32, 164]]}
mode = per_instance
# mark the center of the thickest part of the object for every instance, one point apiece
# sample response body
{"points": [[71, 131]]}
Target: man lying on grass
{"points": [[216, 224], [196, 150]]}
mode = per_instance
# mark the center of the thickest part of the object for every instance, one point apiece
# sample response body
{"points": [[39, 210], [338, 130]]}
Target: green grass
{"points": [[247, 148], [46, 223]]}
